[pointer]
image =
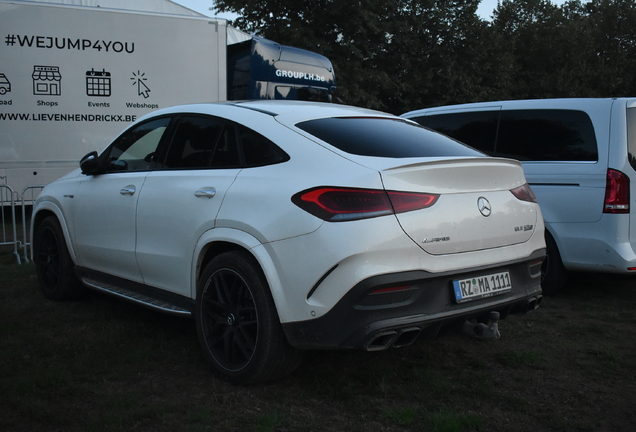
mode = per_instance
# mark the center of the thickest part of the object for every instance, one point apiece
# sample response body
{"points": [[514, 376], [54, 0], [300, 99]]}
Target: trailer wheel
{"points": [[237, 323], [55, 268]]}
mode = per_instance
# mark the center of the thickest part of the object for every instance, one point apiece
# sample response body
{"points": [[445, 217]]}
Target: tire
{"points": [[237, 323], [553, 273], [53, 263]]}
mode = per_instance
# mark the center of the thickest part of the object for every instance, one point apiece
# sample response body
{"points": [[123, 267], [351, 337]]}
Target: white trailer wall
{"points": [[162, 6], [74, 77]]}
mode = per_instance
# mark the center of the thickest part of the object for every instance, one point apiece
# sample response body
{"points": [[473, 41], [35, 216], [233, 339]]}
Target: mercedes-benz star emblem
{"points": [[484, 206]]}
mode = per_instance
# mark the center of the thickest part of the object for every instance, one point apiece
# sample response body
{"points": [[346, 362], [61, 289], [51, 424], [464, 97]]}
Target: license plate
{"points": [[481, 287]]}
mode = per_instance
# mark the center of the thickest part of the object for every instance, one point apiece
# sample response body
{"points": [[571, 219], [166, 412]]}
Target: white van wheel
{"points": [[553, 273]]}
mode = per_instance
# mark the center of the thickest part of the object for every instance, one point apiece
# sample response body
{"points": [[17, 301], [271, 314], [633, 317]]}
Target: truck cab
{"points": [[262, 69]]}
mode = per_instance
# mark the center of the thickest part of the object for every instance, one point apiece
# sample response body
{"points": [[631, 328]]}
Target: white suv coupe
{"points": [[287, 226]]}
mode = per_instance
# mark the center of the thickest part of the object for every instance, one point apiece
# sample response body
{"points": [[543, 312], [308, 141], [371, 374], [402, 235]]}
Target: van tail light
{"points": [[524, 193], [616, 192], [335, 204]]}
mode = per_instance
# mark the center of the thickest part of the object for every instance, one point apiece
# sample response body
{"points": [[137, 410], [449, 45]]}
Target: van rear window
{"points": [[547, 135], [526, 135], [384, 137], [477, 129]]}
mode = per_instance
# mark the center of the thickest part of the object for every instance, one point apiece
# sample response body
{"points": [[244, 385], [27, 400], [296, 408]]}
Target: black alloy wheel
{"points": [[237, 323], [53, 263], [230, 319]]}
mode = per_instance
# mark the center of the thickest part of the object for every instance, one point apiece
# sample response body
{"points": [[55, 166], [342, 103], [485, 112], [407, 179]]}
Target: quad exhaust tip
{"points": [[393, 338], [533, 303], [403, 337]]}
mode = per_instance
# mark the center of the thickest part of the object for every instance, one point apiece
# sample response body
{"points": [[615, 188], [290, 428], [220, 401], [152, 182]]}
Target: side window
{"points": [[206, 142], [193, 142], [283, 92], [226, 154], [135, 149], [547, 135], [258, 150], [477, 129], [302, 93]]}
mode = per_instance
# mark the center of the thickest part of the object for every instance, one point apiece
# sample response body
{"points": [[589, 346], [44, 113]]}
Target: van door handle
{"points": [[205, 193], [128, 190]]}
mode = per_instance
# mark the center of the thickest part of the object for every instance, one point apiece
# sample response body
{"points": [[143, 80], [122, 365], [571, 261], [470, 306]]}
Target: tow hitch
{"points": [[483, 330]]}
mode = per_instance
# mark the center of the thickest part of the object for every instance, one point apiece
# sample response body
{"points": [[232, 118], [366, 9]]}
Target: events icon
{"points": [[98, 83]]}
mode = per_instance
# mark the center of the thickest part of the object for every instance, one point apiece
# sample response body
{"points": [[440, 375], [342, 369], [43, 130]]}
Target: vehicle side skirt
{"points": [[141, 294]]}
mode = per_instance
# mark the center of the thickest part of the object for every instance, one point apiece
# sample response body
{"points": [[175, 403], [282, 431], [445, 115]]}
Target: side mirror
{"points": [[90, 164]]}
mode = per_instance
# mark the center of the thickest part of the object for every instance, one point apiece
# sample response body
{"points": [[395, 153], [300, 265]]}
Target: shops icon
{"points": [[98, 83], [47, 80]]}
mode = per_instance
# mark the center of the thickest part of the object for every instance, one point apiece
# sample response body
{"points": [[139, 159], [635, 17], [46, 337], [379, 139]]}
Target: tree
{"points": [[544, 55], [578, 50], [399, 55], [392, 55], [448, 53], [612, 24], [353, 35]]}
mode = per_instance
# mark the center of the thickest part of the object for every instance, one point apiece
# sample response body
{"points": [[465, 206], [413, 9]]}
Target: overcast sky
{"points": [[203, 6]]}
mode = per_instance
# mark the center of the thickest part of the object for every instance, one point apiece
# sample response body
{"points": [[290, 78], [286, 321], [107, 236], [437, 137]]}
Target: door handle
{"points": [[128, 190], [205, 193]]}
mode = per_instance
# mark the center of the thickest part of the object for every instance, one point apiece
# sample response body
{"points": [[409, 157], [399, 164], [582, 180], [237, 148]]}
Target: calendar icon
{"points": [[98, 83]]}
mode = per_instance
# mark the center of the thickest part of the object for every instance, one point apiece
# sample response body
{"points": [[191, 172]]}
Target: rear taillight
{"points": [[336, 204], [616, 192], [524, 193]]}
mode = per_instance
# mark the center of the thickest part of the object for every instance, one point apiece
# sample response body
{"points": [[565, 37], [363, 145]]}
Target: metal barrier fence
{"points": [[16, 225], [27, 198], [9, 226]]}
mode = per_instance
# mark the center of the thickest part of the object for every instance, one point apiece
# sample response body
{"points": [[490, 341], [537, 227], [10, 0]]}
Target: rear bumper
{"points": [[395, 318]]}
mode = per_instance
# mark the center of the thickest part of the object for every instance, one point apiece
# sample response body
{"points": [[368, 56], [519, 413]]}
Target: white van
{"points": [[579, 156]]}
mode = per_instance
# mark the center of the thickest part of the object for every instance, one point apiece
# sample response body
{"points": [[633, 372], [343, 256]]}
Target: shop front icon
{"points": [[47, 80]]}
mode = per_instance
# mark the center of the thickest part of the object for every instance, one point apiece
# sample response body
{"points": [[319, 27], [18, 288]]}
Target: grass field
{"points": [[104, 365]]}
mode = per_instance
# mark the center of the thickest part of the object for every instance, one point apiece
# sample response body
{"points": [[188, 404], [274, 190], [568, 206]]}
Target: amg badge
{"points": [[435, 239]]}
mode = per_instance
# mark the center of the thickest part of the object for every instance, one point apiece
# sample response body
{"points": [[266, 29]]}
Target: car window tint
{"points": [[135, 149], [546, 135], [193, 142], [384, 137], [258, 150], [477, 129], [226, 153], [284, 92]]}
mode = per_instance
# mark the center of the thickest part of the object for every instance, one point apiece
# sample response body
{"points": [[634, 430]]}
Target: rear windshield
{"points": [[384, 137]]}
